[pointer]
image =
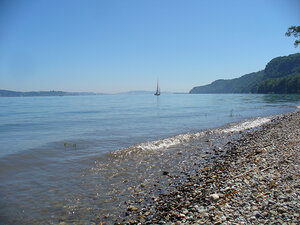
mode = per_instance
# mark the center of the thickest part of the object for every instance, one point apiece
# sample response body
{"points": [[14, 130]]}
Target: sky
{"points": [[123, 45]]}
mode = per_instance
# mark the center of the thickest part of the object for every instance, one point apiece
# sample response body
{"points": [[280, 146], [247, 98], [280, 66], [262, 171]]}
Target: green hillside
{"points": [[281, 75]]}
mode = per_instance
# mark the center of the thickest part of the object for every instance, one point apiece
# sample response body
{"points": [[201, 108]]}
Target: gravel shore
{"points": [[256, 181]]}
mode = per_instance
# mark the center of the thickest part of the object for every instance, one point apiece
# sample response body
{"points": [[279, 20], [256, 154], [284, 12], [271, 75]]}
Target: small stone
{"points": [[187, 204], [223, 218], [165, 172], [131, 221], [246, 181], [253, 218], [283, 197], [274, 212], [63, 219], [280, 221], [288, 191], [211, 208], [132, 208], [281, 210], [215, 196], [205, 215], [225, 189], [257, 214], [185, 211], [201, 210]]}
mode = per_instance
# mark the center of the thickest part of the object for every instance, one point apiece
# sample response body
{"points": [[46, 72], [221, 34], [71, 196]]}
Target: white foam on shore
{"points": [[184, 138], [170, 142], [247, 125], [160, 144]]}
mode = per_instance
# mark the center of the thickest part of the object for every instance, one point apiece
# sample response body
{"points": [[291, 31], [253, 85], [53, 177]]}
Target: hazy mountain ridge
{"points": [[8, 93], [281, 75]]}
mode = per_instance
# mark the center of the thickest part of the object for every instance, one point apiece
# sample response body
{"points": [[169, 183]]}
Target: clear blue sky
{"points": [[114, 46]]}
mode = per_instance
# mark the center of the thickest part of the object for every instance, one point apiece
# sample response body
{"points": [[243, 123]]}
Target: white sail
{"points": [[157, 90]]}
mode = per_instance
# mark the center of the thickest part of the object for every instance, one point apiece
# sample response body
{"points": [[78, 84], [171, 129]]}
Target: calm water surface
{"points": [[57, 153]]}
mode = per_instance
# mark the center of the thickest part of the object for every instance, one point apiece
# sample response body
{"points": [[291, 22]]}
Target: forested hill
{"points": [[281, 75]]}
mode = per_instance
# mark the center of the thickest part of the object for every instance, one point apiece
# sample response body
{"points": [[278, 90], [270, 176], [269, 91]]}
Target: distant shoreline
{"points": [[8, 93]]}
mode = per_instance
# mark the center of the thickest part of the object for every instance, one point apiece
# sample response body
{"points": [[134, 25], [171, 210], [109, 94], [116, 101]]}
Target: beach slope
{"points": [[255, 182]]}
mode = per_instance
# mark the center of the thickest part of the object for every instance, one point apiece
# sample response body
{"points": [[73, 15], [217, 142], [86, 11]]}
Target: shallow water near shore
{"points": [[75, 159]]}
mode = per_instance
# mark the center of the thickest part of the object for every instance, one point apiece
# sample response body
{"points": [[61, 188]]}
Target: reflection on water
{"points": [[275, 98]]}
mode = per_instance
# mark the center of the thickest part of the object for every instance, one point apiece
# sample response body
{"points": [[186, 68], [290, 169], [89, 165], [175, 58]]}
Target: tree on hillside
{"points": [[295, 31]]}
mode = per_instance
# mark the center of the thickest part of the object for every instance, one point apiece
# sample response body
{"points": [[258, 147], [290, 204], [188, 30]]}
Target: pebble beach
{"points": [[254, 180]]}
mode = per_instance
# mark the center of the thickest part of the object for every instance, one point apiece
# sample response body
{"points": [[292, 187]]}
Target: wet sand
{"points": [[253, 179]]}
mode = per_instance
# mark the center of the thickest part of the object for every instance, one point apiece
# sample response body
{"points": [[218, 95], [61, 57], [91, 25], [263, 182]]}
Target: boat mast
{"points": [[157, 89]]}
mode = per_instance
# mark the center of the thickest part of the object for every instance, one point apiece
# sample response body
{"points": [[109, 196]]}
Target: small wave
{"points": [[170, 142], [298, 106], [159, 144], [247, 125], [185, 138]]}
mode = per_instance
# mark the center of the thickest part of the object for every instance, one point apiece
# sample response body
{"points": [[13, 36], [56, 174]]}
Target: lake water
{"points": [[70, 158]]}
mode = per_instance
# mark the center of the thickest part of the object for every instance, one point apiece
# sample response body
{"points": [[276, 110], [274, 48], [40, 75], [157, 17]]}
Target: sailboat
{"points": [[157, 93]]}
